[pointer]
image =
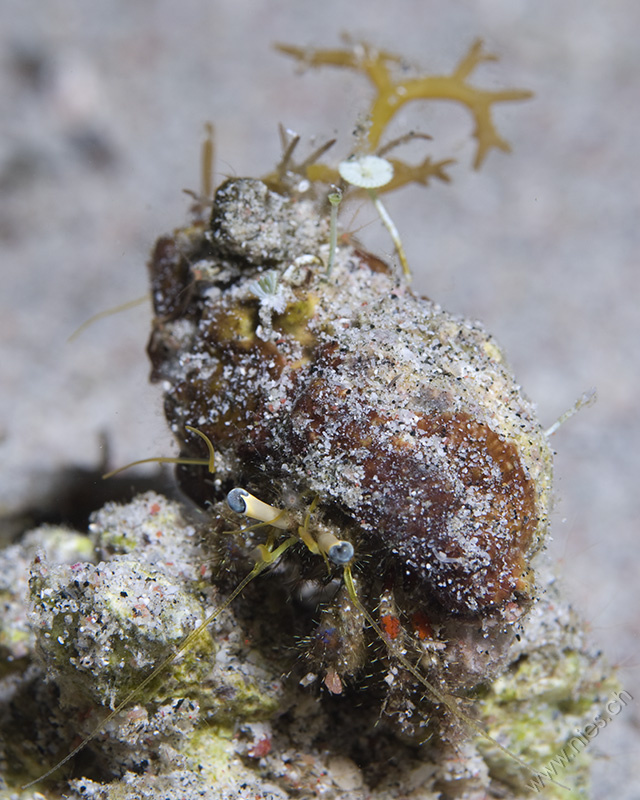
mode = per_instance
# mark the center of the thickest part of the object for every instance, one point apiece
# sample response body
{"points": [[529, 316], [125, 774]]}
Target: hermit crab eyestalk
{"points": [[242, 502], [338, 551]]}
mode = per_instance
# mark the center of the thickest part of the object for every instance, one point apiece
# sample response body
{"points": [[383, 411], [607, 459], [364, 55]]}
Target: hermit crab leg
{"points": [[443, 698]]}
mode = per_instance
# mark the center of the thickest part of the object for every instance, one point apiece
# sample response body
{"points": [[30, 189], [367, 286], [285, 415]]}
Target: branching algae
{"points": [[381, 629]]}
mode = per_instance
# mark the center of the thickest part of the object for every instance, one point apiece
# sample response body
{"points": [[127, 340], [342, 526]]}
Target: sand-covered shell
{"points": [[403, 419]]}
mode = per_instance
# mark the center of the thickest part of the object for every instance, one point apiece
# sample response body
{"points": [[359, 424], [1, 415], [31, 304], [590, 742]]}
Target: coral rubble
{"points": [[389, 628]]}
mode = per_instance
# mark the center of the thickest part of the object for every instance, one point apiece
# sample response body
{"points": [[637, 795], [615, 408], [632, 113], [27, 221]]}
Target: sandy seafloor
{"points": [[102, 108]]}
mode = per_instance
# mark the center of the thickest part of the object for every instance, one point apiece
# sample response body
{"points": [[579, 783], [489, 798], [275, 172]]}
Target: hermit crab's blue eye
{"points": [[341, 553], [236, 500]]}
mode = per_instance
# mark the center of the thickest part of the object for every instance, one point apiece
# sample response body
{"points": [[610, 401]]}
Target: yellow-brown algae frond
{"points": [[201, 207], [392, 94], [422, 173], [280, 180]]}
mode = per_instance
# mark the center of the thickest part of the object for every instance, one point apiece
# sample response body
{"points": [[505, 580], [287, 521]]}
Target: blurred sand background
{"points": [[102, 107]]}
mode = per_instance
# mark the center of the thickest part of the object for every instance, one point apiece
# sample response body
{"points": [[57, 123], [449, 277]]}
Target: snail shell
{"points": [[403, 419]]}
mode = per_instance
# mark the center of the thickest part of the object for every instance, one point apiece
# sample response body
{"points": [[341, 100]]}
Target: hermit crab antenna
{"points": [[585, 399], [205, 462], [108, 312], [210, 464], [243, 502]]}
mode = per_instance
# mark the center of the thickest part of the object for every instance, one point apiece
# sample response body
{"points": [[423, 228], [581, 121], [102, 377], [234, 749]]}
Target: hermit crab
{"points": [[383, 442], [331, 392], [368, 455]]}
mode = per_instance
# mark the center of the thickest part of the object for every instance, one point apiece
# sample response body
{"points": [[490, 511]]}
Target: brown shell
{"points": [[403, 419]]}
